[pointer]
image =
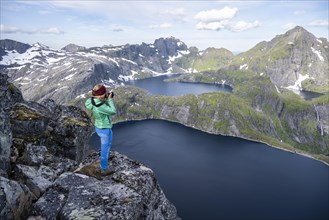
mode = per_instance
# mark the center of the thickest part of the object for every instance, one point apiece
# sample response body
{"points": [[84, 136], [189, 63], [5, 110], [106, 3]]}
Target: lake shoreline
{"points": [[304, 154]]}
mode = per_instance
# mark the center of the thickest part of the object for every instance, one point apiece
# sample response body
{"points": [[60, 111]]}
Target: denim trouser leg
{"points": [[106, 140]]}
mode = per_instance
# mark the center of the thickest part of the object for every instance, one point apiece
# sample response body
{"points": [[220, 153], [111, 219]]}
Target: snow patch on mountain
{"points": [[244, 66], [298, 84], [318, 53]]}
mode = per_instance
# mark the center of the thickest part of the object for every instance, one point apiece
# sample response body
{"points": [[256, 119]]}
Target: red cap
{"points": [[100, 91]]}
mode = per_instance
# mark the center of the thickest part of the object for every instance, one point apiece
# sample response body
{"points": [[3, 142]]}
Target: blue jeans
{"points": [[106, 141]]}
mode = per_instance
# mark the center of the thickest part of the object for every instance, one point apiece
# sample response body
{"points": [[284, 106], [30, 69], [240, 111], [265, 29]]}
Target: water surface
{"points": [[308, 95], [218, 177], [157, 86]]}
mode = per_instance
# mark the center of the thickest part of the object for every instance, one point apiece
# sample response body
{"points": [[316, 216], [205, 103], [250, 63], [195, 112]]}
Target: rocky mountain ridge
{"points": [[63, 75], [48, 172], [296, 60]]}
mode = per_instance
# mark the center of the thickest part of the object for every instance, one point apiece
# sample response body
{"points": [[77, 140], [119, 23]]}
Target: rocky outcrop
{"points": [[46, 172], [132, 192], [73, 48]]}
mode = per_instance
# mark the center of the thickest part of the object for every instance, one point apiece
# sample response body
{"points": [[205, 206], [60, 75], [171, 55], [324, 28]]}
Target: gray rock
{"points": [[34, 155], [14, 45], [132, 192], [15, 199], [73, 48], [9, 95], [36, 179]]}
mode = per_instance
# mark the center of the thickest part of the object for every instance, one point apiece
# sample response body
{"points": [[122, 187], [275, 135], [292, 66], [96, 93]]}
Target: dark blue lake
{"points": [[157, 86], [218, 177], [309, 95]]}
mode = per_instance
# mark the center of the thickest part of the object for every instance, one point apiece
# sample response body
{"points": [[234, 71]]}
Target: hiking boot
{"points": [[107, 172]]}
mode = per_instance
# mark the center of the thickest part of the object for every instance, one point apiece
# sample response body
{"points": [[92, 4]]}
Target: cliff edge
{"points": [[47, 170]]}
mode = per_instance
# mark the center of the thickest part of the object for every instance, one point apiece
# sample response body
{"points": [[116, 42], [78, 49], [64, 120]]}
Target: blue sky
{"points": [[234, 25]]}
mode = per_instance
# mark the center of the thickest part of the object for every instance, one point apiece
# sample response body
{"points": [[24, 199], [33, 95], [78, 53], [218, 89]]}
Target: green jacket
{"points": [[102, 114]]}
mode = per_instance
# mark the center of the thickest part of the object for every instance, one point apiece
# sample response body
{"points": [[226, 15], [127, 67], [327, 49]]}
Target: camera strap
{"points": [[94, 103]]}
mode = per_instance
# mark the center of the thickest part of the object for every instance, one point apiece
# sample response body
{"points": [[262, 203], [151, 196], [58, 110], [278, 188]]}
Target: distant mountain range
{"points": [[295, 60], [42, 72]]}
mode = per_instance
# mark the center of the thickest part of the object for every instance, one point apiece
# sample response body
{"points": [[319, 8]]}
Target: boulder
{"points": [[15, 199]]}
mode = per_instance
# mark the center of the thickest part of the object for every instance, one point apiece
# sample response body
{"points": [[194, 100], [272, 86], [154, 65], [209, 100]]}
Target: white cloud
{"points": [[13, 30], [214, 26], [321, 23], [243, 26], [160, 26], [289, 25], [216, 20], [178, 13], [52, 30], [8, 30], [214, 15]]}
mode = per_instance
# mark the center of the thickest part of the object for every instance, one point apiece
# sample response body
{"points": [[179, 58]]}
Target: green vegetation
{"points": [[24, 113], [293, 102], [310, 86], [212, 59], [75, 122], [322, 100], [143, 75]]}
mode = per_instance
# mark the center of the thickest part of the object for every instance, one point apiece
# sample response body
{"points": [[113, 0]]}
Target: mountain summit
{"points": [[296, 60]]}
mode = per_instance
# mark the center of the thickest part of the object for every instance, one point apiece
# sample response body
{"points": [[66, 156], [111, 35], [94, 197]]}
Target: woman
{"points": [[102, 107]]}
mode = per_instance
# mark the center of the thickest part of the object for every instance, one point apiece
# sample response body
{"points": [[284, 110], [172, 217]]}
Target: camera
{"points": [[109, 95]]}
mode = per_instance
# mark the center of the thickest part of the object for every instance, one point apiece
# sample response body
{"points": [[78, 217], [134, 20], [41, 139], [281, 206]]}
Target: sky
{"points": [[234, 25]]}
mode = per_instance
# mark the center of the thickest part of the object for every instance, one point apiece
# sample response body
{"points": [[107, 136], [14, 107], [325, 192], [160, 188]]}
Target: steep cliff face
{"points": [[45, 172], [9, 95]]}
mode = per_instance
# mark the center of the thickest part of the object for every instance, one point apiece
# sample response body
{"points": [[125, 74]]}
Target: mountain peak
{"points": [[8, 44], [299, 31], [73, 48], [298, 28]]}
